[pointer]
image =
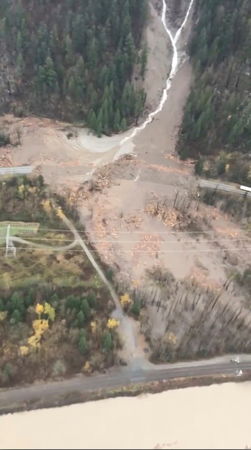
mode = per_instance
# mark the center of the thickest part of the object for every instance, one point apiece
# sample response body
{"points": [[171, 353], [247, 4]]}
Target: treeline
{"points": [[217, 115], [75, 59], [76, 330]]}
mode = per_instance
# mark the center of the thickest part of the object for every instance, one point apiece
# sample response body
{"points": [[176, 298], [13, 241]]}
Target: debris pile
{"points": [[5, 158], [133, 222], [160, 209], [149, 245]]}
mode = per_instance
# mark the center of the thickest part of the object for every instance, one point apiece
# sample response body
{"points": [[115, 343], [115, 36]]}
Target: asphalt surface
{"points": [[52, 392]]}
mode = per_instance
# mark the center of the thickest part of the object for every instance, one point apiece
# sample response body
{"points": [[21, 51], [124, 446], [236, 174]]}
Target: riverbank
{"points": [[66, 397], [216, 416]]}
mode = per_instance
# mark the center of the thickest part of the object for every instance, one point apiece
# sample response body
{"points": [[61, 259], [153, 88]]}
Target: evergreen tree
{"points": [[77, 63], [20, 65], [80, 319], [107, 342], [16, 316], [50, 76], [85, 308], [123, 124], [143, 62], [117, 121], [99, 127], [92, 120], [69, 55], [82, 343]]}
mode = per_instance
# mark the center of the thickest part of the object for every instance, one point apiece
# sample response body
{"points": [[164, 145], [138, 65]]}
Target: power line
{"points": [[52, 249], [115, 241], [66, 230], [134, 232]]}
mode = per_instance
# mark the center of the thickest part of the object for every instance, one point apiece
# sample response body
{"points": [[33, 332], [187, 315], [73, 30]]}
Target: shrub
{"points": [[4, 139]]}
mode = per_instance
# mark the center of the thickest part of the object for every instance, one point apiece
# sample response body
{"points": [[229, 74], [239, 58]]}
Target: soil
{"points": [[114, 205]]}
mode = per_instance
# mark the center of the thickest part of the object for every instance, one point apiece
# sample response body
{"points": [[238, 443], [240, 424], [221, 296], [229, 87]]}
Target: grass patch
{"points": [[23, 229]]}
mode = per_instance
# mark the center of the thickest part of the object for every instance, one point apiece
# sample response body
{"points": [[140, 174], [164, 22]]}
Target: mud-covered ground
{"points": [[144, 213]]}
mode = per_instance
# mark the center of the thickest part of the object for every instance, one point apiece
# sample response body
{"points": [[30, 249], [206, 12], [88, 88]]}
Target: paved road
{"points": [[214, 185], [23, 170], [115, 378]]}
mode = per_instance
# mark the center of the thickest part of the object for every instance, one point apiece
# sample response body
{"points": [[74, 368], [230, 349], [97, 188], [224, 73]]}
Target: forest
{"points": [[216, 127], [55, 313], [74, 60]]}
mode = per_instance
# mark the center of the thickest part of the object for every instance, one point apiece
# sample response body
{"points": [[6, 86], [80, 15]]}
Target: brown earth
{"points": [[185, 237]]}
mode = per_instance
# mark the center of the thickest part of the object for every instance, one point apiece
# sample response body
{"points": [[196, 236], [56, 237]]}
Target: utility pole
{"points": [[7, 241]]}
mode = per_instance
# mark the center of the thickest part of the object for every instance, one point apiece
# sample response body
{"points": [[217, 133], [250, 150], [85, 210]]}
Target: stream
{"points": [[174, 67]]}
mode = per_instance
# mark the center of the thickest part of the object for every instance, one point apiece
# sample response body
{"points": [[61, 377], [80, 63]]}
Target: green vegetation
{"points": [[75, 60], [54, 310], [217, 126], [4, 139], [17, 229]]}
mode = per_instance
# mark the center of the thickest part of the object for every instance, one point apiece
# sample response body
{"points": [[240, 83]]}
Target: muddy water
{"points": [[205, 417]]}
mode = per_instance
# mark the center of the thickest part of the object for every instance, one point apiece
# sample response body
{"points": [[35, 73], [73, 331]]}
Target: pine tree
{"points": [[20, 65], [107, 341], [85, 308], [129, 52], [143, 63], [92, 53], [82, 343], [123, 124], [99, 126], [50, 73], [80, 319], [92, 120], [117, 121], [87, 55], [19, 44], [69, 56], [16, 316], [105, 117]]}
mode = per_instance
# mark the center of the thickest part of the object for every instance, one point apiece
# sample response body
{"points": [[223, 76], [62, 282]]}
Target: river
{"points": [[217, 416]]}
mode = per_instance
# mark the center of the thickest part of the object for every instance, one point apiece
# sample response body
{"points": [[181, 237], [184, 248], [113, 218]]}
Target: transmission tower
{"points": [[10, 247]]}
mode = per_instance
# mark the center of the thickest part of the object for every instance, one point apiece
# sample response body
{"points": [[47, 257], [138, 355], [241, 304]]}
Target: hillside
{"points": [[217, 126], [74, 60]]}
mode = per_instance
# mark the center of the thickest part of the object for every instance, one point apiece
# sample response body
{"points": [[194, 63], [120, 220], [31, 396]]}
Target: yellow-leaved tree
{"points": [[50, 311], [125, 300], [59, 212], [93, 327], [112, 324], [3, 315], [39, 309], [87, 367], [46, 205], [21, 189], [34, 341], [40, 326], [24, 350]]}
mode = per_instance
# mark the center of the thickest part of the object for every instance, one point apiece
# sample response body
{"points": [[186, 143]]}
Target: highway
{"points": [[138, 371], [51, 393], [216, 186]]}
